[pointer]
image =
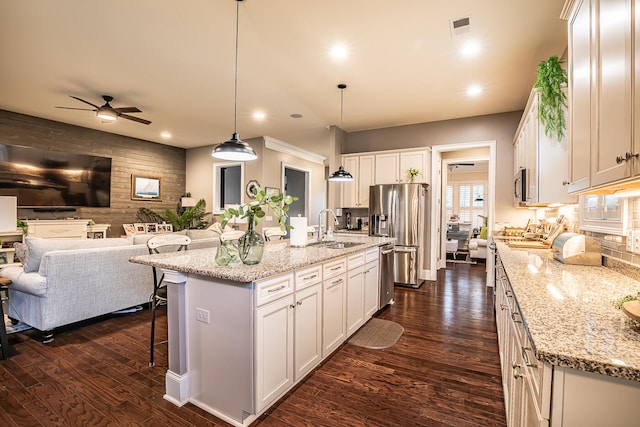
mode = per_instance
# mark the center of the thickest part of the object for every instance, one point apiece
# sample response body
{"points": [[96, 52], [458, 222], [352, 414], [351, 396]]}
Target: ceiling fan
{"points": [[109, 114]]}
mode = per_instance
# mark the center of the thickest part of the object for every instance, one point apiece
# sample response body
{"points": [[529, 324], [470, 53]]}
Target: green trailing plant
{"points": [[181, 219], [22, 226], [552, 83], [256, 210]]}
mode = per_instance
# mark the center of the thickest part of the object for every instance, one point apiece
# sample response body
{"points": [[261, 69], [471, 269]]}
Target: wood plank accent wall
{"points": [[129, 156]]}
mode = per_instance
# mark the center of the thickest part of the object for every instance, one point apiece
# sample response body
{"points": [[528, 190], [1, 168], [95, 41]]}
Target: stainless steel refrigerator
{"points": [[401, 211]]}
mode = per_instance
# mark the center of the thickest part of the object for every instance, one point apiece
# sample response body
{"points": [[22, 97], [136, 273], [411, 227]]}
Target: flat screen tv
{"points": [[43, 178]]}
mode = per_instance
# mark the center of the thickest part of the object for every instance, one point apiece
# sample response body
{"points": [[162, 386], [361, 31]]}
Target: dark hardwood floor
{"points": [[444, 371]]}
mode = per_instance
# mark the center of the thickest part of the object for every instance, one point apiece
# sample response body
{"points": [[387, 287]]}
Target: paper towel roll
{"points": [[298, 234]]}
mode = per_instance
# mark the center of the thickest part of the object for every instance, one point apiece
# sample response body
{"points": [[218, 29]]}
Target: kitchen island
{"points": [[241, 336], [569, 357]]}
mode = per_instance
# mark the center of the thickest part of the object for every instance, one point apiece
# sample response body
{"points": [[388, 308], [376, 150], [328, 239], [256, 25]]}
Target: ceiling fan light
{"points": [[234, 149], [108, 115], [341, 175]]}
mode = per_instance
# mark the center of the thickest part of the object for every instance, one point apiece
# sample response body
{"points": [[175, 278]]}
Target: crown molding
{"points": [[281, 146]]}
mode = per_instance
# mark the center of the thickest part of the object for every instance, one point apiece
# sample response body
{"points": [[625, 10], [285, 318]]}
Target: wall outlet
{"points": [[636, 240], [268, 218], [202, 315], [630, 240]]}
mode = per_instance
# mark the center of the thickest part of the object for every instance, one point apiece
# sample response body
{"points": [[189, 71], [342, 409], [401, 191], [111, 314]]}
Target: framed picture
{"points": [[145, 188], [129, 229], [272, 191], [165, 228], [140, 228], [152, 227]]}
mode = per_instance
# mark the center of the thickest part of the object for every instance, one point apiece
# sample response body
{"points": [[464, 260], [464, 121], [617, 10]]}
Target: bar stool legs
{"points": [[4, 341]]}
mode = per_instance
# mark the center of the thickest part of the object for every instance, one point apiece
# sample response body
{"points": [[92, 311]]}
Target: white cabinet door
{"points": [[350, 189], [365, 179], [355, 299], [611, 138], [387, 168], [308, 330], [415, 159], [334, 312], [579, 117], [274, 350], [371, 288]]}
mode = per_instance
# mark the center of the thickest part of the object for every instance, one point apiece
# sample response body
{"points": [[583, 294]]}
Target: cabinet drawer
{"points": [[333, 268], [272, 289], [308, 276], [355, 260], [372, 254], [539, 377]]}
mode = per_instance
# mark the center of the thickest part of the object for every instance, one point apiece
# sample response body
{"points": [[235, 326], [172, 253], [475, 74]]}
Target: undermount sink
{"points": [[335, 245]]}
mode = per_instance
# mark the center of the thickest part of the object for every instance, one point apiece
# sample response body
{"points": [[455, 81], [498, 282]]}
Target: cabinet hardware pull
{"points": [[517, 375], [527, 361], [502, 306], [292, 306], [276, 289], [620, 159], [299, 303], [565, 183], [310, 277], [387, 252], [336, 268], [513, 317], [336, 282]]}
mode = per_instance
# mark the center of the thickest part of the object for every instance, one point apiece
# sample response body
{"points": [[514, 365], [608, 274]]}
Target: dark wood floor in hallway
{"points": [[444, 371]]}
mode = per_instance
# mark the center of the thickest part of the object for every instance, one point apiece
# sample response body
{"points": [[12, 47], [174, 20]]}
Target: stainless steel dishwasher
{"points": [[386, 275]]}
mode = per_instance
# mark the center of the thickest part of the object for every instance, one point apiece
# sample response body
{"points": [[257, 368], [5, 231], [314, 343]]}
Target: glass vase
{"points": [[226, 253], [251, 245]]}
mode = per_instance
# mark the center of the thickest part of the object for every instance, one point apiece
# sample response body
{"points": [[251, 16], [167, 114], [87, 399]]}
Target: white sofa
{"points": [[478, 248], [64, 281]]}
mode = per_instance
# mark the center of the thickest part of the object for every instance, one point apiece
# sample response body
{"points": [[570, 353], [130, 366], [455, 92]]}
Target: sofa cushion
{"points": [[30, 283], [37, 247]]}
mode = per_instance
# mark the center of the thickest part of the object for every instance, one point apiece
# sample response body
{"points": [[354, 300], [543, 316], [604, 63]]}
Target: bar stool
{"points": [[4, 341]]}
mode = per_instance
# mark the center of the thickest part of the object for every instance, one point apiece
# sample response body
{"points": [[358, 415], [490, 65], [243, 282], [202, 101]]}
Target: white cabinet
{"points": [[45, 228], [334, 308], [307, 330], [414, 160], [356, 193], [355, 299], [274, 350], [579, 117], [544, 158], [371, 283], [387, 168]]}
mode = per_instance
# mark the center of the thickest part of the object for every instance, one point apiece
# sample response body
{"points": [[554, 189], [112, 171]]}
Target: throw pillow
{"points": [[484, 233], [21, 251]]}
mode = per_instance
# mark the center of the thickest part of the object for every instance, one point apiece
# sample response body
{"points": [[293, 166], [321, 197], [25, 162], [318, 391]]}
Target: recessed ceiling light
{"points": [[339, 51], [296, 116], [165, 135], [470, 49], [474, 90], [259, 115]]}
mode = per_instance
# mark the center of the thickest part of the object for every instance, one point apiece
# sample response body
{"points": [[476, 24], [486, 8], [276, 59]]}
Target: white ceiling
{"points": [[175, 61]]}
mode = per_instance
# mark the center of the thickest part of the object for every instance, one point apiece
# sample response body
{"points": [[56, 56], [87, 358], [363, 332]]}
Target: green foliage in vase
{"points": [[22, 226], [552, 83], [256, 210], [181, 219]]}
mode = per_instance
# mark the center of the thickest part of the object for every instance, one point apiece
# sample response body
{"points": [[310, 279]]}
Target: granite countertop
{"points": [[568, 312], [279, 257]]}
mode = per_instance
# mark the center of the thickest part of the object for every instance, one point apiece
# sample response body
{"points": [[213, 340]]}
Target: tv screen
{"points": [[41, 178]]}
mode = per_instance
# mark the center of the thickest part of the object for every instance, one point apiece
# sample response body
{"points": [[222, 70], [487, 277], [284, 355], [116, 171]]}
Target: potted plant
{"points": [[251, 244], [552, 83]]}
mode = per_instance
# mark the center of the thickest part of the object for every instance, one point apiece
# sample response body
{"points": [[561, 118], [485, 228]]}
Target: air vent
{"points": [[460, 26]]}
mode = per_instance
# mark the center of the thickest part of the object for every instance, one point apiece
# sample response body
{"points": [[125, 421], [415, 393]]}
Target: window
{"points": [[466, 200], [227, 185]]}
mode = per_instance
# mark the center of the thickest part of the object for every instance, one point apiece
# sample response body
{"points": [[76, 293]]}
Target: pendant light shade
{"points": [[235, 148], [341, 175]]}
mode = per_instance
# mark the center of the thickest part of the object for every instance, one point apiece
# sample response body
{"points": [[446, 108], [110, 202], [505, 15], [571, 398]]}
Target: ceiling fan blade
{"points": [[135, 119], [82, 100], [128, 110], [72, 108]]}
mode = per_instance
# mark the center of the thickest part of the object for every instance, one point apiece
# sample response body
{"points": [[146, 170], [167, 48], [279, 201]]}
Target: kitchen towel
{"points": [[298, 234]]}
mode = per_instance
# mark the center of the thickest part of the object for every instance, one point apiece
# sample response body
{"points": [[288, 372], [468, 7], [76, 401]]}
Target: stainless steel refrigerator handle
{"points": [[387, 252]]}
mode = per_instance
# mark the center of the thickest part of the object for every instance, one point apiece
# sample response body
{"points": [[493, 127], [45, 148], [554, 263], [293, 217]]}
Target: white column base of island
{"points": [[240, 337]]}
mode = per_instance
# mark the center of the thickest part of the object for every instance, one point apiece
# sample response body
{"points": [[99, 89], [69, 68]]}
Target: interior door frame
{"points": [[307, 174], [438, 178]]}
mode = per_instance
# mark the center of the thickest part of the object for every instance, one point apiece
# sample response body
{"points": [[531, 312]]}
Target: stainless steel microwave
{"points": [[520, 188]]}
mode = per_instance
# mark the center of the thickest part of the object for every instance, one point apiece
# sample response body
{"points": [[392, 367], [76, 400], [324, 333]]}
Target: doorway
{"points": [[295, 183], [443, 156]]}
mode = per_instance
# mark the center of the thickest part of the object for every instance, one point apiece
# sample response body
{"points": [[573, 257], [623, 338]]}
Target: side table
{"points": [[4, 341]]}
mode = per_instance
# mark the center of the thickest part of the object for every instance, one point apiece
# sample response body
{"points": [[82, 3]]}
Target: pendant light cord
{"points": [[341, 106], [235, 82]]}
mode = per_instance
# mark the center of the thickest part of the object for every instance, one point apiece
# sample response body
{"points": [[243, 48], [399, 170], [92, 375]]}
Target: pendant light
{"points": [[341, 175], [235, 149]]}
